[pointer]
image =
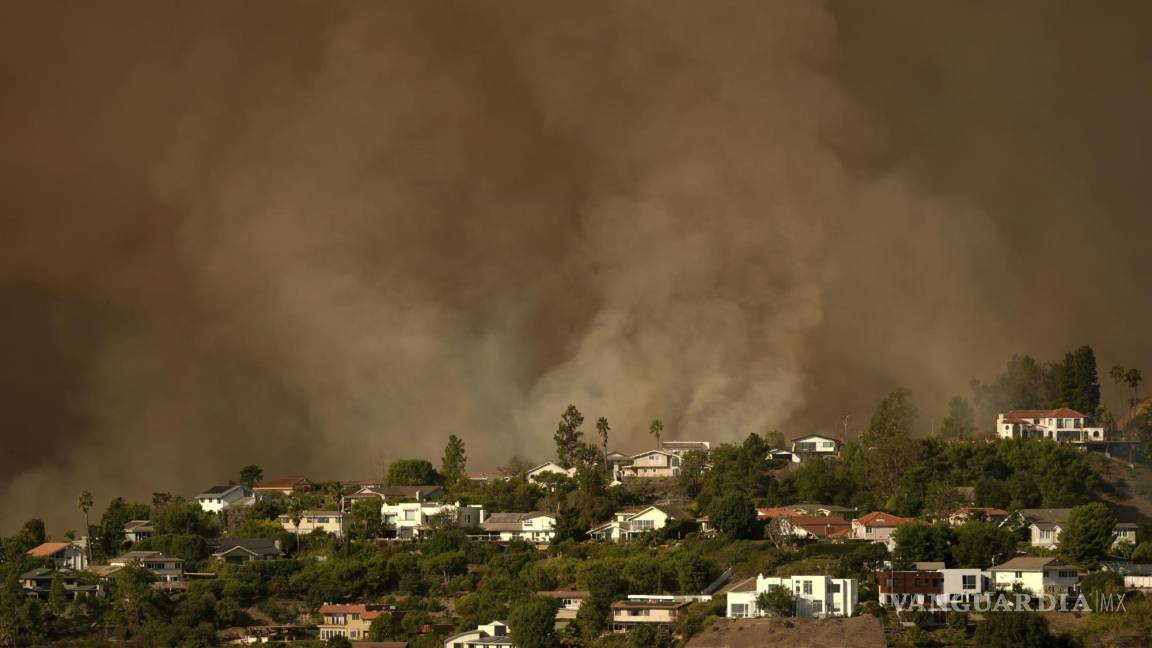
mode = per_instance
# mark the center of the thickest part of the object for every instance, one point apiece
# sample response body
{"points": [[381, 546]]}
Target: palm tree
{"points": [[656, 429], [85, 502], [295, 514], [336, 492], [602, 428]]}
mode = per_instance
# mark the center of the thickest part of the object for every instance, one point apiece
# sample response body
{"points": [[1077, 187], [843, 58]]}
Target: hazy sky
{"points": [[319, 236]]}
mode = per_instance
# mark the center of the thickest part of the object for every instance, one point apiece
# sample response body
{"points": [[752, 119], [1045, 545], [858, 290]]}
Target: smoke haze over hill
{"points": [[322, 236]]}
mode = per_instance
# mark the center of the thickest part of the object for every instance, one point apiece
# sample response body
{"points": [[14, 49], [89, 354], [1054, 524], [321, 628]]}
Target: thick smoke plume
{"points": [[321, 236]]}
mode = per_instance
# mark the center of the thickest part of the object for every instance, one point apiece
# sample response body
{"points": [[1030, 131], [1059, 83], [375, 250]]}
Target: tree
{"points": [[338, 641], [691, 475], [693, 573], [251, 475], [1142, 554], [982, 544], [532, 624], [647, 635], [1088, 535], [776, 601], [923, 542], [1098, 585], [1130, 378], [602, 429], [57, 597], [735, 516], [366, 520], [295, 514], [85, 502], [411, 472], [889, 443], [961, 420], [894, 417], [568, 436], [1013, 630], [1079, 384], [656, 429], [454, 462]]}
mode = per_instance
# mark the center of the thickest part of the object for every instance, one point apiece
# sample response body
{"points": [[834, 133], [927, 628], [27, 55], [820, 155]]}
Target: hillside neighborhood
{"points": [[599, 547]]}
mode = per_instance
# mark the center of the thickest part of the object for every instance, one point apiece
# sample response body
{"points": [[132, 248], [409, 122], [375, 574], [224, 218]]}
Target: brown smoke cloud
{"points": [[321, 236]]}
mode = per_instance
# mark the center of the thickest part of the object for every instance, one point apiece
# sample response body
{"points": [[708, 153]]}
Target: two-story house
{"points": [[38, 583], [967, 585], [814, 596], [489, 635], [353, 620], [65, 555], [137, 530], [166, 569], [814, 446], [684, 447], [965, 514], [535, 527], [653, 463], [648, 610], [628, 524], [1044, 526], [410, 520], [222, 498], [878, 526], [1038, 575], [1062, 424], [909, 587], [425, 493], [334, 522]]}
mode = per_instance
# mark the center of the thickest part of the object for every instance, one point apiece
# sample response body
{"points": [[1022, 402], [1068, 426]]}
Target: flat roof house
{"points": [[815, 596], [568, 601], [636, 611], [489, 635]]}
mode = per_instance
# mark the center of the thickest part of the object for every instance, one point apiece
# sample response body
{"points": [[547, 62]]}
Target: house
{"points": [[533, 527], [617, 462], [780, 454], [483, 477], [1063, 425], [1137, 576], [568, 602], [628, 524], [353, 620], [815, 596], [334, 522], [827, 510], [648, 610], [682, 448], [815, 527], [985, 513], [221, 498], [548, 468], [490, 635], [653, 463], [243, 550], [815, 446], [410, 520], [965, 585], [878, 526], [1045, 525], [426, 493], [137, 530], [167, 569], [284, 486], [38, 583], [909, 587], [66, 555], [1039, 575]]}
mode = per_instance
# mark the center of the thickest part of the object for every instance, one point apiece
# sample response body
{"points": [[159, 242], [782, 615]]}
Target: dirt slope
{"points": [[856, 632]]}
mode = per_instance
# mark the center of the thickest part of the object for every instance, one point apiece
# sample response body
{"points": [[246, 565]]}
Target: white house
{"points": [[815, 596], [1039, 575], [1045, 525], [627, 524], [167, 569], [66, 555], [1063, 424], [490, 635], [684, 447], [966, 585], [137, 530], [878, 526], [533, 527], [221, 498], [814, 446], [411, 519], [546, 468], [334, 522], [568, 602]]}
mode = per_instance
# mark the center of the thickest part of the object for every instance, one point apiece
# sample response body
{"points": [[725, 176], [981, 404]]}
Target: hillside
{"points": [[1130, 492], [855, 632]]}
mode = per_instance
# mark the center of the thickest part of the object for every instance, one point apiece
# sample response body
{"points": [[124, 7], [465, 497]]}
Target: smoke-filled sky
{"points": [[319, 236]]}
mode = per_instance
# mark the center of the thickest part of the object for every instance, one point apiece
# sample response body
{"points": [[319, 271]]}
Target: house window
{"points": [[527, 524], [807, 587], [1067, 574], [834, 588], [321, 520], [970, 582], [817, 606], [1019, 574], [739, 610]]}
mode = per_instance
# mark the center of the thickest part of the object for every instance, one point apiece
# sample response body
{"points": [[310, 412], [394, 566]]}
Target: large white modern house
{"points": [[1062, 424], [815, 596]]}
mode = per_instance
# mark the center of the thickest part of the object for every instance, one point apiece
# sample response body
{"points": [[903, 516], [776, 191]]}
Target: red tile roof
{"points": [[882, 519], [986, 510], [48, 549], [1060, 412]]}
